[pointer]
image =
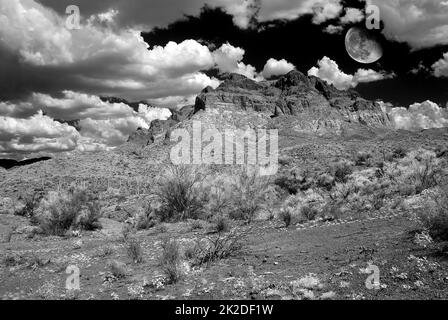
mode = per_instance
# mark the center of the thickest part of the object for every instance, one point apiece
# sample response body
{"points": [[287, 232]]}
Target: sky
{"points": [[164, 52]]}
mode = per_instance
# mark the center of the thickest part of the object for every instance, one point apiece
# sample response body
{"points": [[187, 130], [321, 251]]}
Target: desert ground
{"points": [[336, 210]]}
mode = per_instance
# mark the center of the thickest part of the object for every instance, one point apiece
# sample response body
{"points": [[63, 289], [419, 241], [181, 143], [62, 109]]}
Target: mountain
{"points": [[294, 104]]}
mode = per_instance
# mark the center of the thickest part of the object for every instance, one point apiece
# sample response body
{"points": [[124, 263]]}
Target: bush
{"points": [[117, 269], [126, 232], [435, 219], [196, 225], [286, 216], [341, 171], [247, 196], [220, 246], [145, 220], [425, 175], [294, 181], [362, 158], [75, 209], [326, 181], [179, 195], [309, 213], [32, 202], [170, 260], [222, 224], [134, 251], [399, 153], [332, 211]]}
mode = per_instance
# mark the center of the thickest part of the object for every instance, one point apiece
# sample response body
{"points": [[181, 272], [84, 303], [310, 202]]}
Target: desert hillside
{"points": [[352, 195]]}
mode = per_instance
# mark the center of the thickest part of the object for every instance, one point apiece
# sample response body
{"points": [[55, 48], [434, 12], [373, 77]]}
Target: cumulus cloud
{"points": [[98, 58], [229, 59], [421, 23], [275, 67], [328, 70], [352, 15], [418, 116], [325, 10], [440, 68], [103, 125], [39, 133]]}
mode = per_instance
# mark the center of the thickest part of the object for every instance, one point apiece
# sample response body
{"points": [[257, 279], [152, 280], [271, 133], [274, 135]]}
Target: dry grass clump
{"points": [[134, 251], [170, 260]]}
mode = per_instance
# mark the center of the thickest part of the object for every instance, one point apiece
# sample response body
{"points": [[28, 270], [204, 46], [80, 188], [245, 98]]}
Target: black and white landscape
{"points": [[223, 149]]}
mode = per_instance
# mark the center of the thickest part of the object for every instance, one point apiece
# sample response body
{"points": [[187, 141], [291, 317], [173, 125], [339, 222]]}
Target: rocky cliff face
{"points": [[316, 106], [294, 103]]}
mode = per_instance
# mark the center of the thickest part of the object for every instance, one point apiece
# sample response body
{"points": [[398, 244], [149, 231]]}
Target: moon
{"points": [[363, 46]]}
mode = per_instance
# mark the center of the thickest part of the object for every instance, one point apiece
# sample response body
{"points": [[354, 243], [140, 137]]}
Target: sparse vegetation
{"points": [[170, 260]]}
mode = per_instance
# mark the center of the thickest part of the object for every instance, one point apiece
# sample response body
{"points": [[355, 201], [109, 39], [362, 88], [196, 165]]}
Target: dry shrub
{"points": [[247, 196], [295, 180], [74, 209], [420, 170], [286, 216], [362, 158], [32, 202], [170, 260], [222, 224], [179, 195], [217, 247], [342, 170], [240, 195], [309, 213], [435, 217], [326, 181]]}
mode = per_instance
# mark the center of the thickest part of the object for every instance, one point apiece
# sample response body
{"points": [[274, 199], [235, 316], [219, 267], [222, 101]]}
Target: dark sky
{"points": [[303, 43]]}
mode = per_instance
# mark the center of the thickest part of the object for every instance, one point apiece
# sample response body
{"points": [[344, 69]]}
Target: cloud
{"points": [[325, 10], [39, 133], [229, 59], [440, 68], [99, 58], [103, 125], [275, 67], [422, 23], [425, 115], [352, 15], [332, 29], [328, 70]]}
